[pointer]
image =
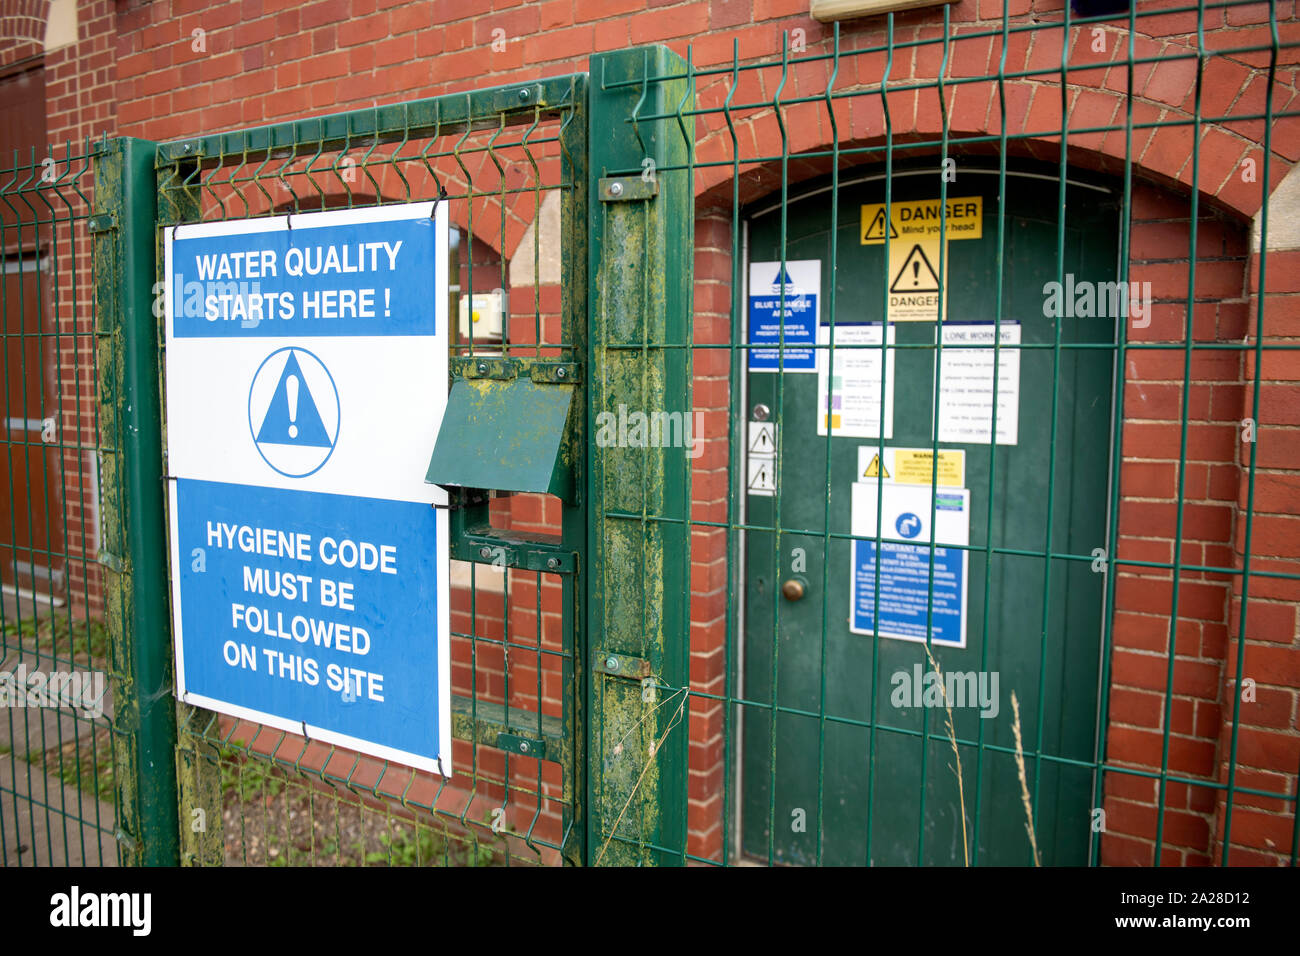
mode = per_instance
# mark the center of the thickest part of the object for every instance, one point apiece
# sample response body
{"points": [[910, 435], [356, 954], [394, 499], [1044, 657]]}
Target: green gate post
{"points": [[198, 760], [134, 551], [640, 266]]}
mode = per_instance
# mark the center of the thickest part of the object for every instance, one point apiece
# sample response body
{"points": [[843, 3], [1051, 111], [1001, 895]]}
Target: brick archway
{"points": [[1095, 98]]}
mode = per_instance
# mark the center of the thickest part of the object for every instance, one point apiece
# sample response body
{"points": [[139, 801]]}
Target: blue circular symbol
{"points": [[293, 412], [908, 525]]}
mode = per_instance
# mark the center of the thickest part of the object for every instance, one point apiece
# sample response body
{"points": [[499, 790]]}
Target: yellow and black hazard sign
{"points": [[917, 293], [919, 219], [874, 470]]}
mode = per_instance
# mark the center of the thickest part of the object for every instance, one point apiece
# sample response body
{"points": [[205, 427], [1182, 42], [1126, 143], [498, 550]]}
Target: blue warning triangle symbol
{"points": [[294, 422], [782, 278]]}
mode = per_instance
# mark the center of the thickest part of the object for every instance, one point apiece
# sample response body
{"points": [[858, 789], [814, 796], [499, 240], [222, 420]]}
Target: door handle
{"points": [[793, 589]]}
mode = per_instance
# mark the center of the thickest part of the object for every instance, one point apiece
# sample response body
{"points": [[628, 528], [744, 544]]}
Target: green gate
{"points": [[524, 703]]}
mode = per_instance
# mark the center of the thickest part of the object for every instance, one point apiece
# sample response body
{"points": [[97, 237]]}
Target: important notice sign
{"points": [[306, 379], [916, 585]]}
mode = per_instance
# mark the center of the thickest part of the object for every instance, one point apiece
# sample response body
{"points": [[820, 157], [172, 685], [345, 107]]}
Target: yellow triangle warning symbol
{"points": [[875, 469], [875, 230], [916, 275]]}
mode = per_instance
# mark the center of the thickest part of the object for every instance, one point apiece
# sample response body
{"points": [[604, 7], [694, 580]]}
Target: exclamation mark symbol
{"points": [[916, 273], [291, 389], [387, 293]]}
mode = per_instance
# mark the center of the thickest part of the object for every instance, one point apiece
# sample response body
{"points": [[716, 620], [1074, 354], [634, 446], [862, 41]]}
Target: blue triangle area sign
{"points": [[293, 420]]}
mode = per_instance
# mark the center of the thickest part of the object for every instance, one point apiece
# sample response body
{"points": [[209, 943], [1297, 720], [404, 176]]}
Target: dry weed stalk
{"points": [[1024, 783], [952, 738]]}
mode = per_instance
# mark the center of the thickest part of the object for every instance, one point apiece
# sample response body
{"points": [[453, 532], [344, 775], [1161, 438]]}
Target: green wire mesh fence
{"points": [[57, 672], [972, 546], [1138, 623], [286, 799]]}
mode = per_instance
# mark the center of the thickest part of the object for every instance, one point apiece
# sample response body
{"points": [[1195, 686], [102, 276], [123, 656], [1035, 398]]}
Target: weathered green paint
{"points": [[135, 541], [505, 436], [436, 116], [575, 282], [641, 266], [198, 772], [487, 723]]}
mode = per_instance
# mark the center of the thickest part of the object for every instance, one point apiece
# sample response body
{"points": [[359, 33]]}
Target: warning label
{"points": [[913, 466], [914, 288], [873, 469], [919, 219], [916, 274], [874, 231]]}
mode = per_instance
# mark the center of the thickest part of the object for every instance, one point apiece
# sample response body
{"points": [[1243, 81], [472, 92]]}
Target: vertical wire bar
{"points": [[63, 448], [12, 756], [83, 449], [1250, 491], [779, 417], [1119, 374], [1188, 335], [1045, 621], [29, 550], [468, 286], [688, 421], [880, 436], [939, 319], [830, 372], [998, 275], [647, 529], [735, 462], [13, 523], [58, 445], [538, 335]]}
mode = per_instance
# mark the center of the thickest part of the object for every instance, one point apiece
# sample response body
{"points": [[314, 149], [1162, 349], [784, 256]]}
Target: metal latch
{"points": [[627, 188], [623, 665]]}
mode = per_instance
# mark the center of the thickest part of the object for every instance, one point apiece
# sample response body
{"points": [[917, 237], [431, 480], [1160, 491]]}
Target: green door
{"points": [[843, 776]]}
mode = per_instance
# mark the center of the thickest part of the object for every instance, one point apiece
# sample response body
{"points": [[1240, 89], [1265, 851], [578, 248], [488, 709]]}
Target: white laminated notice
{"points": [[966, 384], [854, 386]]}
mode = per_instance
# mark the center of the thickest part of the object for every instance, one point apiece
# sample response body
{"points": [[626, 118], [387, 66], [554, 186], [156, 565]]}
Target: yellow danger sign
{"points": [[914, 287], [919, 219]]}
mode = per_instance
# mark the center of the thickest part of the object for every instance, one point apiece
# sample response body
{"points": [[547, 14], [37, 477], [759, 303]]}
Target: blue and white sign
{"points": [[293, 412], [905, 601], [783, 301], [306, 380]]}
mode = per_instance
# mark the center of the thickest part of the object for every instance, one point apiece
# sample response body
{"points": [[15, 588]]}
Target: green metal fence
{"points": [[796, 748], [671, 637], [57, 781], [282, 799]]}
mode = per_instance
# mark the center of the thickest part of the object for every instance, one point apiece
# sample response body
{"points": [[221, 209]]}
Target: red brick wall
{"points": [[1149, 489], [23, 36]]}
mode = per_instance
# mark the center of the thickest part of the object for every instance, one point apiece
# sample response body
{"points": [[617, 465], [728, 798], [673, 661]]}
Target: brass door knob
{"points": [[793, 589]]}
